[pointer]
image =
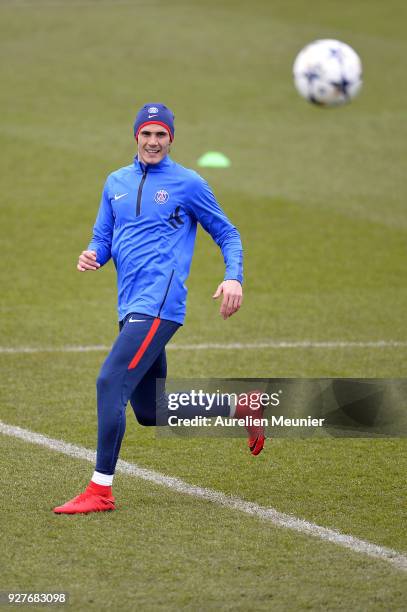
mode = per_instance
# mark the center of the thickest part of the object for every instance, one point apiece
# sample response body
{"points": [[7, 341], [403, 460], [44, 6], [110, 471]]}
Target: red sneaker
{"points": [[248, 408], [89, 501]]}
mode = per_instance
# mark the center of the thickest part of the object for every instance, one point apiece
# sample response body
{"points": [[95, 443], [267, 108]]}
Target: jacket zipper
{"points": [[139, 193], [166, 293]]}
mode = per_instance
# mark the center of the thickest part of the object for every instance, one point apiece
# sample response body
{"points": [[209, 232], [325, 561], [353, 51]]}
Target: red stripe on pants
{"points": [[145, 344]]}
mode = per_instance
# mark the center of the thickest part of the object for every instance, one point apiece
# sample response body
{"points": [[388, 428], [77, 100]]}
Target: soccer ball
{"points": [[328, 73]]}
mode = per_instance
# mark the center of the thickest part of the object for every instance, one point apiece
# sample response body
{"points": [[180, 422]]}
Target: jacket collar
{"points": [[166, 162]]}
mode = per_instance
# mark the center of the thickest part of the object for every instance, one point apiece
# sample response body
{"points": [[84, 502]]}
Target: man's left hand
{"points": [[232, 297]]}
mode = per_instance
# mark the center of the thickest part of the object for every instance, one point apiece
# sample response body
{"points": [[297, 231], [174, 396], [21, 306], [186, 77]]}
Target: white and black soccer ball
{"points": [[328, 73]]}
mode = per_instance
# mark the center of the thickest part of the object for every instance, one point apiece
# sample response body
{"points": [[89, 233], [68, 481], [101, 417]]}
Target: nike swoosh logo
{"points": [[151, 116], [117, 197], [136, 320]]}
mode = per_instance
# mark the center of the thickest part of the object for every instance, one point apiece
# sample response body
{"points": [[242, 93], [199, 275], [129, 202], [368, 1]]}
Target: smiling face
{"points": [[153, 143]]}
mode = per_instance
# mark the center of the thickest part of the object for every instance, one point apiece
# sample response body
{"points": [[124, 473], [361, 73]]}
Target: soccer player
{"points": [[147, 224]]}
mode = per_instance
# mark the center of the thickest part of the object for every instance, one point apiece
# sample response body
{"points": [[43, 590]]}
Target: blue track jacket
{"points": [[147, 223]]}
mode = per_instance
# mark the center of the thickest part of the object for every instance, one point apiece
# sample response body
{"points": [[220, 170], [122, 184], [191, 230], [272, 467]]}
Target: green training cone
{"points": [[213, 159]]}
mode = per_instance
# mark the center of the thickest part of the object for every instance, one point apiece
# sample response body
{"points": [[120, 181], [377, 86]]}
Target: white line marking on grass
{"points": [[277, 518], [271, 344], [275, 344], [54, 349]]}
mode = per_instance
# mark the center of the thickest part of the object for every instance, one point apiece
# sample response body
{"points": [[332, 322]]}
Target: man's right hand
{"points": [[87, 261]]}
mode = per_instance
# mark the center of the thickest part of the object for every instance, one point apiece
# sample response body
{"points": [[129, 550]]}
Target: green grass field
{"points": [[320, 199]]}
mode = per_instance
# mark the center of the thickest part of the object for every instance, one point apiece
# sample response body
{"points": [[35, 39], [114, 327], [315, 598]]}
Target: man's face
{"points": [[153, 143]]}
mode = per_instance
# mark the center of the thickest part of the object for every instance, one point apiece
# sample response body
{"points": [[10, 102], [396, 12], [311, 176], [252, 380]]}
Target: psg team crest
{"points": [[161, 197]]}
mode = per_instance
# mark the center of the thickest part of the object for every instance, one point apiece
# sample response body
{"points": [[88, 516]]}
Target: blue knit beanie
{"points": [[155, 113]]}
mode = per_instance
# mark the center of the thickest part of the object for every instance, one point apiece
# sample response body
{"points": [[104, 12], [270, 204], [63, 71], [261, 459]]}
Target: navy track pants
{"points": [[130, 372]]}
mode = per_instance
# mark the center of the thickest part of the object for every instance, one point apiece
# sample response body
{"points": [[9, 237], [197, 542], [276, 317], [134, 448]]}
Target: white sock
{"points": [[232, 407], [105, 480]]}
